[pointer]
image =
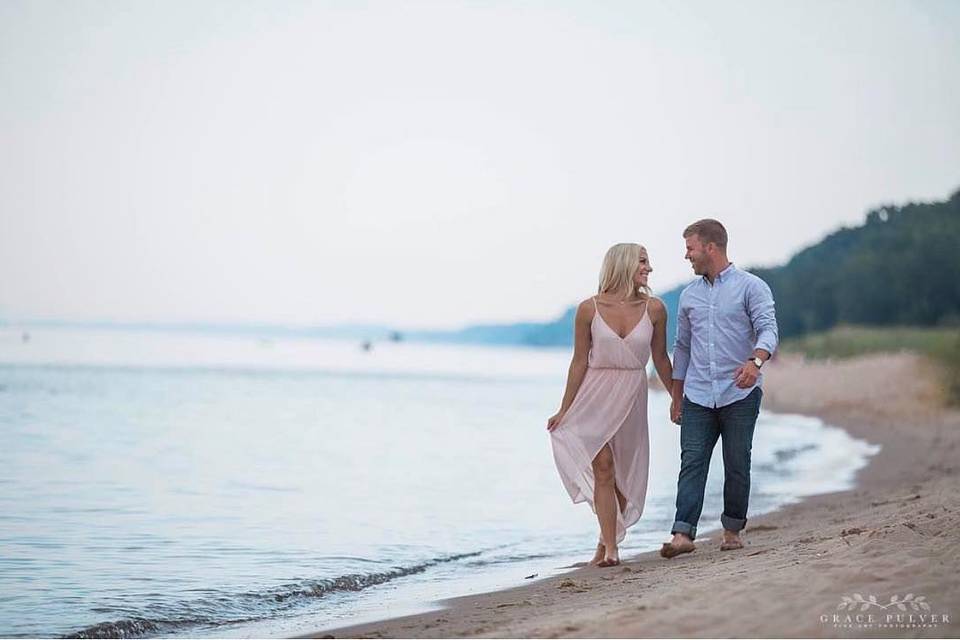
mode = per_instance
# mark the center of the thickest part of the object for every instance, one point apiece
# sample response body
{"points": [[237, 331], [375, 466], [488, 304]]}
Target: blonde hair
{"points": [[619, 266]]}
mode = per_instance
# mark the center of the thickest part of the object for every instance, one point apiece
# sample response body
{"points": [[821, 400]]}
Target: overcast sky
{"points": [[437, 164]]}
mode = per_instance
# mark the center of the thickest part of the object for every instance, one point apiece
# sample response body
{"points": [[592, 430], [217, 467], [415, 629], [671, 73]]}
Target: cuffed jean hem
{"points": [[732, 524], [684, 528]]}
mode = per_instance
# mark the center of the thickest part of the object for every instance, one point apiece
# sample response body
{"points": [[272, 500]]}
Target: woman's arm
{"points": [[578, 365], [658, 345]]}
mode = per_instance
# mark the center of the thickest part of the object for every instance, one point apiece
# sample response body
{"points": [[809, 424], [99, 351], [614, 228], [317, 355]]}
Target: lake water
{"points": [[214, 485]]}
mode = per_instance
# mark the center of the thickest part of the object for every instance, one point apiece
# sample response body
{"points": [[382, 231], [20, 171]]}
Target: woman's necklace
{"points": [[623, 302]]}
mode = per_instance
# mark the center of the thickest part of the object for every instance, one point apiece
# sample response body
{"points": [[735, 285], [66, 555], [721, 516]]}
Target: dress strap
{"points": [[595, 304]]}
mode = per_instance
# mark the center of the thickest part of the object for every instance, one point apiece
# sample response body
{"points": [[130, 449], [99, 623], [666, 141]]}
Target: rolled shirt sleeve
{"points": [[681, 347], [760, 307]]}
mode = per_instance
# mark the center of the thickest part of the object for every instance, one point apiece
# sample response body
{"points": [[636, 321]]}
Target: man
{"points": [[726, 331]]}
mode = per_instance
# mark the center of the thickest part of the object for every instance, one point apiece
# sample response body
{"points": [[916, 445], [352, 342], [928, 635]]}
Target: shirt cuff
{"points": [[767, 345]]}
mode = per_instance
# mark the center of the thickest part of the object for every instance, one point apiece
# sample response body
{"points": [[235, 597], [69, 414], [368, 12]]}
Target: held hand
{"points": [[554, 421], [676, 412], [746, 375]]}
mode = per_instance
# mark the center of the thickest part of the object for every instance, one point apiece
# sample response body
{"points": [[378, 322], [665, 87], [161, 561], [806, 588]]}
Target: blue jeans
{"points": [[699, 429]]}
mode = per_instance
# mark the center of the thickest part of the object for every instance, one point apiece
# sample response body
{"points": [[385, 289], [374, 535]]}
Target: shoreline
{"points": [[895, 532]]}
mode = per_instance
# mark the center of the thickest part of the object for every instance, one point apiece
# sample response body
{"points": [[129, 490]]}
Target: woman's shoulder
{"points": [[586, 308], [656, 306]]}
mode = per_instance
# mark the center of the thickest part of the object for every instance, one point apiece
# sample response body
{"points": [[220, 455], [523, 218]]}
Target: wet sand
{"points": [[895, 534]]}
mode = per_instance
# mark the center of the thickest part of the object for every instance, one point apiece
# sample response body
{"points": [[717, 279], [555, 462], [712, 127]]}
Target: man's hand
{"points": [[676, 411], [746, 375]]}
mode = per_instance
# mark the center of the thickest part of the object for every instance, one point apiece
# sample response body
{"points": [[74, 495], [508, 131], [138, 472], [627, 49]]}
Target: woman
{"points": [[599, 436]]}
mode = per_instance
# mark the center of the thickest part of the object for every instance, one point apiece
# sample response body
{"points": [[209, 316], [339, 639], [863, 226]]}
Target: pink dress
{"points": [[610, 406]]}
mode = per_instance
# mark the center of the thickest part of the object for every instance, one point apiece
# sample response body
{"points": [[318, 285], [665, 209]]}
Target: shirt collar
{"points": [[723, 274]]}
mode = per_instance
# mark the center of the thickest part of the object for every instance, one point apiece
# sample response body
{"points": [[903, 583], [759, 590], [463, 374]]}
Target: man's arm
{"points": [[681, 360], [681, 346], [760, 308]]}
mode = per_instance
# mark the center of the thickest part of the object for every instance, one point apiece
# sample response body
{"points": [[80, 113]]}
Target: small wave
{"points": [[257, 604], [784, 455], [781, 456], [132, 628], [520, 557]]}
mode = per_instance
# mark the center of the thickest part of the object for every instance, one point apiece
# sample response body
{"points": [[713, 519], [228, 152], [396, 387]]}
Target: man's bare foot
{"points": [[679, 545], [731, 541], [599, 555]]}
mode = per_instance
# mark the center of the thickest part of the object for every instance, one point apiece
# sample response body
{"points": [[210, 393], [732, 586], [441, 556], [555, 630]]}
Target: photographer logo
{"points": [[908, 612]]}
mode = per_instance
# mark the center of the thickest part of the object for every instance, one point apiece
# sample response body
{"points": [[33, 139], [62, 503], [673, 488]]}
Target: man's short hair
{"points": [[708, 230]]}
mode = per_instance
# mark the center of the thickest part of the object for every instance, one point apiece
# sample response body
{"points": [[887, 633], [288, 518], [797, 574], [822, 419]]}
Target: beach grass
{"points": [[940, 344]]}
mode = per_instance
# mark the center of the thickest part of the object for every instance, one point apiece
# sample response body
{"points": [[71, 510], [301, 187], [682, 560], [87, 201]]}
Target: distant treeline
{"points": [[901, 267]]}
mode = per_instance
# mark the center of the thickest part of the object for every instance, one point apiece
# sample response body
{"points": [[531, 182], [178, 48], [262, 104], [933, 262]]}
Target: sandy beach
{"points": [[895, 534]]}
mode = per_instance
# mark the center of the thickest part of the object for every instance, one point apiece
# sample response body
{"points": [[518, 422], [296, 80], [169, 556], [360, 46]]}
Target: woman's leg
{"points": [[621, 500], [601, 549], [605, 501]]}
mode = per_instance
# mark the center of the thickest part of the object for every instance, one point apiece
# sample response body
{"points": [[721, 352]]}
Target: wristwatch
{"points": [[757, 360]]}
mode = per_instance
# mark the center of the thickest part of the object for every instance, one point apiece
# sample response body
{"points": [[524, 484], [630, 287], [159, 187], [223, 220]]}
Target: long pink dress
{"points": [[610, 406]]}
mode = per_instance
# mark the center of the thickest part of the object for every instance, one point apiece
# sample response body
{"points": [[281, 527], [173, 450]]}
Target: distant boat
{"points": [[25, 337], [396, 336], [366, 345]]}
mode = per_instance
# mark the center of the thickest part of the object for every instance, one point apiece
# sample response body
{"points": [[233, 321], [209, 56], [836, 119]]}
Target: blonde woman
{"points": [[599, 435]]}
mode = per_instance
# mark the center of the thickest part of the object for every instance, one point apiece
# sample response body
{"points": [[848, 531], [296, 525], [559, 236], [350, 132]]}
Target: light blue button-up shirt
{"points": [[719, 326]]}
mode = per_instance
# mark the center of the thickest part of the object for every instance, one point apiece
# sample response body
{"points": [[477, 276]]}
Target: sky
{"points": [[443, 164]]}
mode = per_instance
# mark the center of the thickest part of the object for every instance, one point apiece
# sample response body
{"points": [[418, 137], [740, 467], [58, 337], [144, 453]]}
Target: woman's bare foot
{"points": [[599, 555], [610, 559]]}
